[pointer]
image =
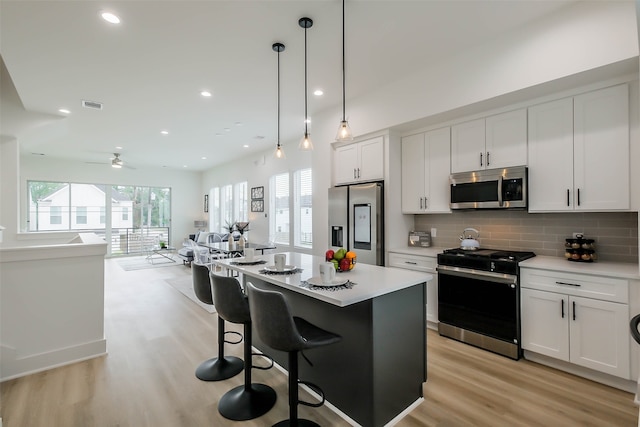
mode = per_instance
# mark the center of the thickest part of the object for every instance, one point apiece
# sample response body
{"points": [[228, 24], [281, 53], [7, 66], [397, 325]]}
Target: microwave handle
{"points": [[500, 191]]}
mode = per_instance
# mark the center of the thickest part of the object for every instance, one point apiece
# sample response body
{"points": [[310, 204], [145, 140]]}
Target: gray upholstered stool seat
{"points": [[282, 331], [221, 367], [249, 400]]}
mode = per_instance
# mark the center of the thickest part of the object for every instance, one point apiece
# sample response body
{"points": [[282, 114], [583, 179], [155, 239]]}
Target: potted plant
{"points": [[230, 227]]}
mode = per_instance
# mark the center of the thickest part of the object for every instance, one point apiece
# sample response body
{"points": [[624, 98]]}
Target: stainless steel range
{"points": [[479, 298]]}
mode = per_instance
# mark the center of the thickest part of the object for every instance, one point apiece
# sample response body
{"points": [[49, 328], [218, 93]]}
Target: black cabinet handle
{"points": [[562, 307], [488, 162], [574, 310], [568, 198], [578, 197], [480, 159], [568, 284]]}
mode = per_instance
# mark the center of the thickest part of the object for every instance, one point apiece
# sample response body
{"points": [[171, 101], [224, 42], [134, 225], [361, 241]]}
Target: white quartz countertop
{"points": [[598, 268], [371, 281], [431, 251]]}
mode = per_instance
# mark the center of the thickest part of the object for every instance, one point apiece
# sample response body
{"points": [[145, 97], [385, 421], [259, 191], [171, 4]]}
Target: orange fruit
{"points": [[350, 255]]}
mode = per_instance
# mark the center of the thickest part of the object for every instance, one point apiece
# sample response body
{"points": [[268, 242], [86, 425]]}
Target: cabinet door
{"points": [[601, 144], [506, 139], [545, 326], [413, 173], [599, 335], [550, 153], [467, 146], [437, 170], [371, 159], [345, 162]]}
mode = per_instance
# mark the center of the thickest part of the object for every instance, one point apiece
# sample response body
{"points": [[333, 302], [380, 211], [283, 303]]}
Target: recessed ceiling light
{"points": [[110, 17], [64, 111], [118, 148], [203, 158], [184, 166], [164, 132], [205, 93], [238, 123], [245, 146], [318, 92], [227, 129]]}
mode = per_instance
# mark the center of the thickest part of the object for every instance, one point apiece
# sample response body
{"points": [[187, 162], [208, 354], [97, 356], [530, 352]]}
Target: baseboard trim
{"points": [[13, 367]]}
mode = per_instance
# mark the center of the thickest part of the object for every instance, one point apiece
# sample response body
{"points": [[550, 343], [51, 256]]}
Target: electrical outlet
{"points": [[575, 234], [434, 232]]}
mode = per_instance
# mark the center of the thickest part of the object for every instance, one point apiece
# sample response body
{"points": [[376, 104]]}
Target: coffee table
{"points": [[164, 254]]}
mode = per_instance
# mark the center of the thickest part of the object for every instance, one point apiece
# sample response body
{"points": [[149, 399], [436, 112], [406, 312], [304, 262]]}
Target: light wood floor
{"points": [[156, 337]]}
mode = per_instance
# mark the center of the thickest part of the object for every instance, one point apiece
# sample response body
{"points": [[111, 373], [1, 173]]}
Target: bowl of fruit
{"points": [[342, 259]]}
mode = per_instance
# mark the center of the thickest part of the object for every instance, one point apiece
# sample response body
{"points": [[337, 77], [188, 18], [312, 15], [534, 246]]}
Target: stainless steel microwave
{"points": [[489, 189]]}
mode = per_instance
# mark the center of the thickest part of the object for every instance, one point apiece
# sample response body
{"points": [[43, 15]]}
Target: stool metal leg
{"points": [[293, 397], [249, 400], [221, 367]]}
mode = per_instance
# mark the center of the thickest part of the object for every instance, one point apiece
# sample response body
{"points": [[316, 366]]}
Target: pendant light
{"points": [[305, 143], [279, 153], [344, 131]]}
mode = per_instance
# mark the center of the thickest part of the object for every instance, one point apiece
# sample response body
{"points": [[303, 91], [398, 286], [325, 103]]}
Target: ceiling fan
{"points": [[116, 162]]}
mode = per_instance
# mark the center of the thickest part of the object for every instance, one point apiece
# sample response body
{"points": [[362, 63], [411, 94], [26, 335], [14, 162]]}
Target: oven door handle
{"points": [[477, 274]]}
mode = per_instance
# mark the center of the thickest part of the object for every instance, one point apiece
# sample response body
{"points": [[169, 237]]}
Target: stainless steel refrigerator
{"points": [[356, 221]]}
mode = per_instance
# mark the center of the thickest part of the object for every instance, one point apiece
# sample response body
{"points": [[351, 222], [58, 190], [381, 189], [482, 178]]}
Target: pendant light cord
{"points": [[343, 72], [306, 116], [278, 98]]}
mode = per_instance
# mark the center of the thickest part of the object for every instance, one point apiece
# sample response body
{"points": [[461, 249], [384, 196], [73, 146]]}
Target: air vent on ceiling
{"points": [[92, 104]]}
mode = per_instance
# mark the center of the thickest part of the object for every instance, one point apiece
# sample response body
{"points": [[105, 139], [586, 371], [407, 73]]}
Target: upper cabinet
{"points": [[425, 172], [359, 162], [579, 152], [494, 142]]}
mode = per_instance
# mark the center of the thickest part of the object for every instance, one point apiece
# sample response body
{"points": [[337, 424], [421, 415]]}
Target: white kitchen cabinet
{"points": [[577, 318], [426, 264], [579, 152], [493, 142], [359, 162], [425, 172]]}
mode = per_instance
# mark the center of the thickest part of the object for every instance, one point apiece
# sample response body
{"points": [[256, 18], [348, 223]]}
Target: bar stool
{"points": [[249, 400], [221, 367], [282, 331]]}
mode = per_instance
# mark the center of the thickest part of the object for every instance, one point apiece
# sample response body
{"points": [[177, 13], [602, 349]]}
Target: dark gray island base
{"points": [[378, 368]]}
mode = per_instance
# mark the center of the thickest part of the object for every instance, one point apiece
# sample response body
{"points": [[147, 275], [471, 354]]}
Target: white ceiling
{"points": [[148, 71]]}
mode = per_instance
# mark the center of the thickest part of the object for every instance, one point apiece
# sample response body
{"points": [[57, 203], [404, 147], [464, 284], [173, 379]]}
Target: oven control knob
{"points": [[493, 265], [513, 286]]}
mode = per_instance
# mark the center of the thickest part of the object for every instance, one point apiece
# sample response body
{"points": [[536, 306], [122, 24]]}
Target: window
{"points": [[81, 215], [303, 190], [227, 205], [240, 200], [125, 213], [279, 209], [55, 215]]}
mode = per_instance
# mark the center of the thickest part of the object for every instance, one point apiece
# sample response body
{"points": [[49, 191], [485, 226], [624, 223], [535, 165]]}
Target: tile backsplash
{"points": [[615, 234]]}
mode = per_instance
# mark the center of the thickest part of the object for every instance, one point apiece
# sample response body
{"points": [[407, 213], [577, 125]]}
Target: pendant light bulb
{"points": [[279, 153], [344, 130], [305, 142]]}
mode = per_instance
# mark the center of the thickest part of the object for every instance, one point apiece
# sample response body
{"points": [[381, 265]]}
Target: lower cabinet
{"points": [[589, 332], [428, 265]]}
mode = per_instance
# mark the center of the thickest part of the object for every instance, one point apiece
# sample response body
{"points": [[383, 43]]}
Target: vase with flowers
{"points": [[242, 227], [230, 228]]}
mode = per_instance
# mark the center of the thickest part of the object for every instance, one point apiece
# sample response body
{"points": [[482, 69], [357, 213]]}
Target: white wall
{"points": [[257, 170], [563, 51], [186, 194]]}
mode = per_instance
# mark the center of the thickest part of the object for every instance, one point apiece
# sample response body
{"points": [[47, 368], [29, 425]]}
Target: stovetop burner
{"points": [[500, 254], [496, 260]]}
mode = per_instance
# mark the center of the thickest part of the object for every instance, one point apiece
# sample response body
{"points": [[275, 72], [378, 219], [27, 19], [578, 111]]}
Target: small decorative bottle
{"points": [[241, 242]]}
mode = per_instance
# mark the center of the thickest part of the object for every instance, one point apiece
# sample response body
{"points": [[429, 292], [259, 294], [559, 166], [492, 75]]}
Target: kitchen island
{"points": [[376, 372]]}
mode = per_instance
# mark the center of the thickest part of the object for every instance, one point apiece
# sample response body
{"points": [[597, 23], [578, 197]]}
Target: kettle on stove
{"points": [[467, 241]]}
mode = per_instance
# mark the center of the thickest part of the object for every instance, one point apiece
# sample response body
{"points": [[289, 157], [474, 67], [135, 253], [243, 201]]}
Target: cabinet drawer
{"points": [[412, 262], [596, 287]]}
